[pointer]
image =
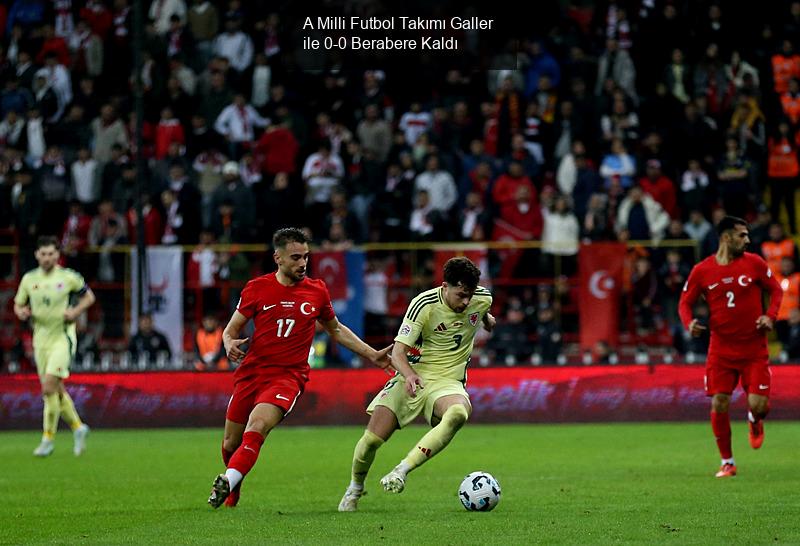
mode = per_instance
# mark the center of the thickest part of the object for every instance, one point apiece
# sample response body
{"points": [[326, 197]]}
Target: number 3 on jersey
{"points": [[289, 325], [729, 295]]}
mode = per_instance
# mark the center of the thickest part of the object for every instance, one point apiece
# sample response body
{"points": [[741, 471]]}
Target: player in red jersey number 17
{"points": [[284, 307], [733, 283]]}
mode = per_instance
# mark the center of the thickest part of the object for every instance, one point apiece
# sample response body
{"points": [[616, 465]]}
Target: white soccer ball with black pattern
{"points": [[479, 492]]}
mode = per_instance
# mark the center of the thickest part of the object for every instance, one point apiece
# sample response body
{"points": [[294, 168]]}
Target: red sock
{"points": [[226, 456], [247, 454], [721, 425]]}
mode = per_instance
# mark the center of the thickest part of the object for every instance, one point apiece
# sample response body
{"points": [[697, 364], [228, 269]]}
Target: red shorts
{"points": [[723, 374], [280, 388]]}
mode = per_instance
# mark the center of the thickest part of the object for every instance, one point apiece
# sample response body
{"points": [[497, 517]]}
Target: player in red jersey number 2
{"points": [[733, 282], [284, 307]]}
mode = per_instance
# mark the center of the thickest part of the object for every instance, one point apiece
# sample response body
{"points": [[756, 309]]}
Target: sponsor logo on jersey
{"points": [[473, 319], [713, 286], [268, 307], [441, 327], [457, 324], [405, 330]]}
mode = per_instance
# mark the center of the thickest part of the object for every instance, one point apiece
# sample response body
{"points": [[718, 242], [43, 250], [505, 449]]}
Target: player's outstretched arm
{"points": [[230, 335], [345, 336], [689, 295], [400, 362], [87, 300]]}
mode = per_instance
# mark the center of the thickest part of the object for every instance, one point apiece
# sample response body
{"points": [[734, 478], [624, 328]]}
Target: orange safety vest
{"points": [[783, 70], [210, 342], [791, 294], [791, 107], [782, 162], [774, 252]]}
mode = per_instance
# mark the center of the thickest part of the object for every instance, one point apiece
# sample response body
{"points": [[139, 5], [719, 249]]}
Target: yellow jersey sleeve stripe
{"points": [[415, 316], [415, 306]]}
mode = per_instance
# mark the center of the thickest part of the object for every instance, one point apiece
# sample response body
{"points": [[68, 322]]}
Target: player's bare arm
{"points": [[489, 322], [400, 361], [23, 312], [345, 336], [230, 337], [696, 328], [85, 301]]}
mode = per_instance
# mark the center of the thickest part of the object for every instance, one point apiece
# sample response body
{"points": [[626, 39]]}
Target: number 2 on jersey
{"points": [[729, 295], [289, 325]]}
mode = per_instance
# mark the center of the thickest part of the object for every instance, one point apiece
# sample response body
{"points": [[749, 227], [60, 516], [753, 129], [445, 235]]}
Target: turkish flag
{"points": [[600, 266], [505, 232], [331, 268]]}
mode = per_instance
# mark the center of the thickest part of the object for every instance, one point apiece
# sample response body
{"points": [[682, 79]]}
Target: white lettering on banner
{"points": [[652, 397], [529, 395], [163, 296], [609, 398]]}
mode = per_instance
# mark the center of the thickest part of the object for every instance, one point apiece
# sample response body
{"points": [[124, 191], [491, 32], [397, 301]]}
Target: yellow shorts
{"points": [[406, 409], [54, 355]]}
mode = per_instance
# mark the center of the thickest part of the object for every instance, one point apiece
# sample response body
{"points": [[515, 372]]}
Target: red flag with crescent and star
{"points": [[331, 268], [600, 266]]}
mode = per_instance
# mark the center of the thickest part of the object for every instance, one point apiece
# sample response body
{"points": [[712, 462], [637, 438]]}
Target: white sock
{"points": [[729, 461], [355, 486], [234, 477], [750, 417], [404, 468]]}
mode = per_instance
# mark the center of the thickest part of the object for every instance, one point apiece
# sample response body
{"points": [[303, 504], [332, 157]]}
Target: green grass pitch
{"points": [[562, 484]]}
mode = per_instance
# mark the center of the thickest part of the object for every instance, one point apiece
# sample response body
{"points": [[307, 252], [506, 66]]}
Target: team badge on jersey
{"points": [[473, 319]]}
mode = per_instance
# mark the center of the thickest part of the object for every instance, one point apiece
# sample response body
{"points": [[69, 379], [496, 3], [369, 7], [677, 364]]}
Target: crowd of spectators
{"points": [[626, 120]]}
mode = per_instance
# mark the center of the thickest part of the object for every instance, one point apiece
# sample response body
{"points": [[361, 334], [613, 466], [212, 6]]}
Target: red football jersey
{"points": [[284, 318], [734, 296]]}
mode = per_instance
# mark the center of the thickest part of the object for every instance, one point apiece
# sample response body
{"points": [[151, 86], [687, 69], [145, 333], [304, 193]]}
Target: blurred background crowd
{"points": [[637, 121]]}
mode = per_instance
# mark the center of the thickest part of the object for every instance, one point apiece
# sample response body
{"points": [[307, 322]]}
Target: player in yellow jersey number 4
{"points": [[432, 351], [44, 297]]}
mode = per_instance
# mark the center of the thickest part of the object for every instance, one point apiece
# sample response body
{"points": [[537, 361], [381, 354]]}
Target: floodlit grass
{"points": [[562, 484]]}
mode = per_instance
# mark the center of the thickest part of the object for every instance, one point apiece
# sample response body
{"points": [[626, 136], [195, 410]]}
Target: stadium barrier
{"points": [[338, 397]]}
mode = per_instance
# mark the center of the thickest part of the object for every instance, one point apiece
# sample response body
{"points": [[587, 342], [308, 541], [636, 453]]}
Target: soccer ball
{"points": [[479, 492]]}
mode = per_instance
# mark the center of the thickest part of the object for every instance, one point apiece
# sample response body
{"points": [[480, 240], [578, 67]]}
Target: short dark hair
{"points": [[47, 240], [730, 222], [284, 236], [462, 271]]}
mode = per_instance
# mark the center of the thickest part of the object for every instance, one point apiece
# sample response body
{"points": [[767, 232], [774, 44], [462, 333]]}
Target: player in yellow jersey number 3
{"points": [[44, 297], [435, 340]]}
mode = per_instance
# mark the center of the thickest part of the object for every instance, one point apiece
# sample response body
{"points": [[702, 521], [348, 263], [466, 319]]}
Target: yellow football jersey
{"points": [[441, 340], [48, 295]]}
